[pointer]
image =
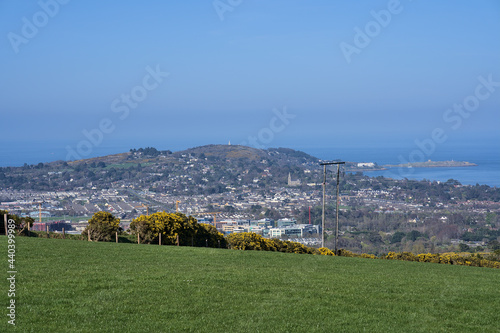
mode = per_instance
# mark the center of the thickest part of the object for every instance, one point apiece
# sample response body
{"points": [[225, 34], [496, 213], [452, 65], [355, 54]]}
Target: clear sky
{"points": [[81, 77]]}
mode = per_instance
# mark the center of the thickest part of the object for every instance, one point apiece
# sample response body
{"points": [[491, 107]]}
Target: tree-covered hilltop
{"points": [[149, 151], [282, 156]]}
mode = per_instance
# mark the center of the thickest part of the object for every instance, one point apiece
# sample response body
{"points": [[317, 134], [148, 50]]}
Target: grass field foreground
{"points": [[75, 286]]}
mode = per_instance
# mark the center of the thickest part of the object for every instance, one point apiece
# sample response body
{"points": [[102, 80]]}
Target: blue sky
{"points": [[231, 63]]}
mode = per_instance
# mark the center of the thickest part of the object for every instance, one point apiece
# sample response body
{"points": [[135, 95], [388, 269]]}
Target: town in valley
{"points": [[276, 192]]}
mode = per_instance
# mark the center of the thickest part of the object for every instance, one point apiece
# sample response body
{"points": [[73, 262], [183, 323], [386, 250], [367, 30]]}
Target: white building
{"points": [[366, 165], [276, 232]]}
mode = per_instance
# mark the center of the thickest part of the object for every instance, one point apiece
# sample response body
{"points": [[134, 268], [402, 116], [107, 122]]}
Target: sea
{"points": [[487, 158], [487, 171]]}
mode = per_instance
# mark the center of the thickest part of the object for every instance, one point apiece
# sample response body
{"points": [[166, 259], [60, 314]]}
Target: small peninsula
{"points": [[432, 164]]}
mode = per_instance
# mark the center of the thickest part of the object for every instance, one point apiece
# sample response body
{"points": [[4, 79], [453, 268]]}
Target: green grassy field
{"points": [[77, 286]]}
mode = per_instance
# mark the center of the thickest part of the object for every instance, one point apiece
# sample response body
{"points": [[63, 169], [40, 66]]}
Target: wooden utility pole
{"points": [[177, 206], [337, 210], [337, 205], [323, 214]]}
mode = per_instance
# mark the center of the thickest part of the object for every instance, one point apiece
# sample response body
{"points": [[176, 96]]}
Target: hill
{"points": [[76, 286], [144, 166], [232, 152]]}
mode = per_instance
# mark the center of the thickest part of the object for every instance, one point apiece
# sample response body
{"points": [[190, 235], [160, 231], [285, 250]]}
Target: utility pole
{"points": [[337, 210], [337, 206], [323, 215]]}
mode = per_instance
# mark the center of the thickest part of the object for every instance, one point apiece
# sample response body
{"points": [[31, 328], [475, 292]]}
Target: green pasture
{"points": [[79, 286]]}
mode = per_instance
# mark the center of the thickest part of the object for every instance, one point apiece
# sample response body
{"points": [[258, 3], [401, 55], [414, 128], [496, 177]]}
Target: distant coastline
{"points": [[353, 167], [432, 164]]}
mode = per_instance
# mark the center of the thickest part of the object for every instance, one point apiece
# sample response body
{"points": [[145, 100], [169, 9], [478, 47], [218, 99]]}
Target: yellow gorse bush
{"points": [[253, 241], [173, 226], [326, 251], [450, 258]]}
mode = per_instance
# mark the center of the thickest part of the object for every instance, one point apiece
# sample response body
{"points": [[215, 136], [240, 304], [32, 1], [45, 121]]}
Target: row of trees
{"points": [[150, 151], [172, 228], [177, 228]]}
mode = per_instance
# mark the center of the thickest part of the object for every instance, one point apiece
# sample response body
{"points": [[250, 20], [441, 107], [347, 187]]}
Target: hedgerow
{"points": [[449, 258], [253, 241]]}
